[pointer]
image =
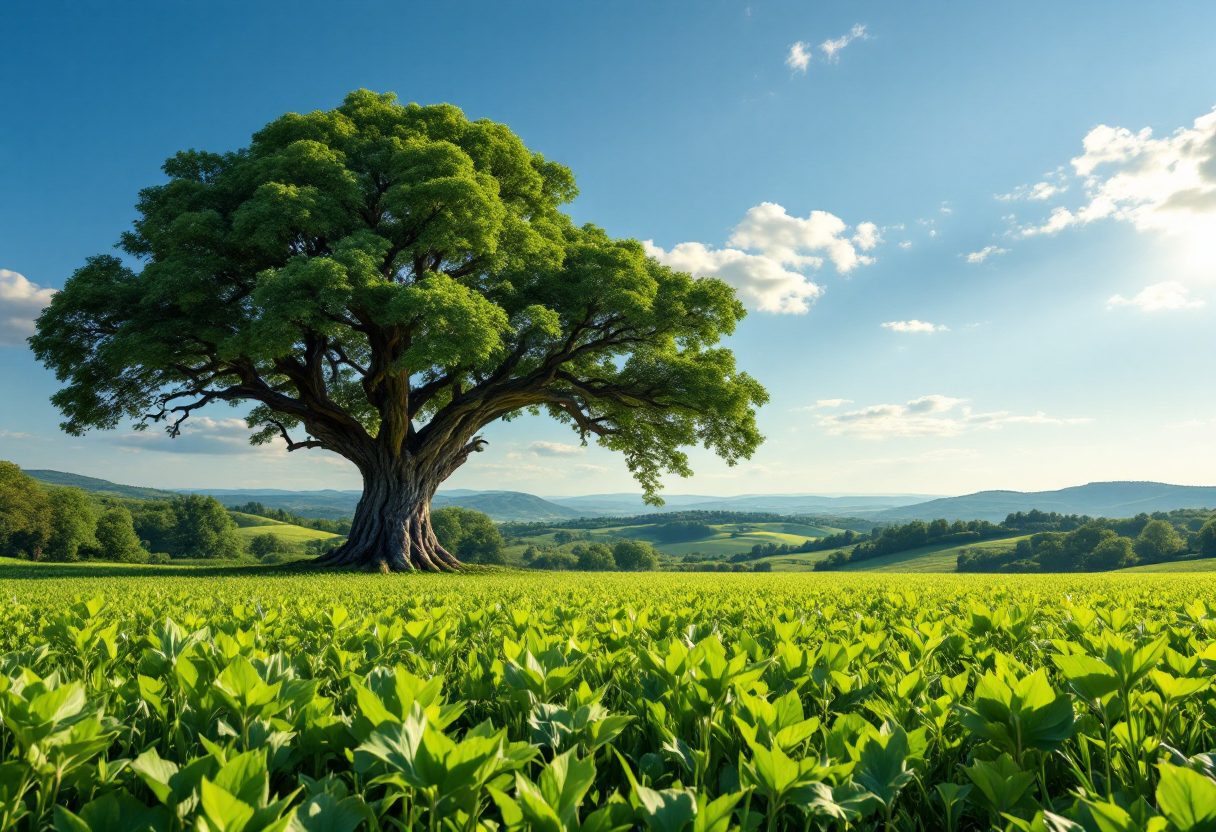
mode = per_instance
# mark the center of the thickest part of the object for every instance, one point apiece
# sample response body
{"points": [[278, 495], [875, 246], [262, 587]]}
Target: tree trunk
{"points": [[391, 530]]}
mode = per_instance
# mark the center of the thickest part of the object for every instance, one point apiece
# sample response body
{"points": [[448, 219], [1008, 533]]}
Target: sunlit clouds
{"points": [[20, 303], [913, 326], [984, 253], [927, 416], [769, 253], [1159, 296], [1164, 184], [801, 53]]}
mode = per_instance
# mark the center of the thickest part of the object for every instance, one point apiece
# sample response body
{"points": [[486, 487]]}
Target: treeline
{"points": [[706, 518], [339, 527], [1057, 542], [1102, 544], [895, 539], [623, 555], [67, 524], [469, 535]]}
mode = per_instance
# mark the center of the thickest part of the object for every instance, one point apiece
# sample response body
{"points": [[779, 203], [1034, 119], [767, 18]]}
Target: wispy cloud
{"points": [[555, 449], [200, 435], [801, 53], [913, 326], [1053, 183], [927, 416], [1159, 296], [983, 254], [826, 404], [832, 47]]}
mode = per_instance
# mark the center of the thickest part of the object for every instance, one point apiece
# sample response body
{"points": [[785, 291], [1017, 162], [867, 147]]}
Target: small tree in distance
{"points": [[634, 555], [1158, 541], [116, 538], [382, 282]]}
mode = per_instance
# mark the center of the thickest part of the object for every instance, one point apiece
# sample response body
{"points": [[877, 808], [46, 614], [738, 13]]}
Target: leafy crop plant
{"points": [[497, 702]]}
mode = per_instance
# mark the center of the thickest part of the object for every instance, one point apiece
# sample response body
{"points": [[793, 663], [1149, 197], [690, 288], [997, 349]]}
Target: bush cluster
{"points": [[624, 555]]}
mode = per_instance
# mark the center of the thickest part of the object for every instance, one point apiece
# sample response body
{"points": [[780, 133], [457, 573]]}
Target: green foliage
{"points": [[73, 525], [1157, 542], [379, 270], [116, 537], [25, 514], [1112, 553], [470, 535], [595, 557], [606, 702], [634, 555], [192, 526], [261, 545], [1206, 539]]}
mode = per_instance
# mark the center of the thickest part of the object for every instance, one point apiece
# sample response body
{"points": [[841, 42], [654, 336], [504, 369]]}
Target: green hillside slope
{"points": [[97, 486], [250, 525]]}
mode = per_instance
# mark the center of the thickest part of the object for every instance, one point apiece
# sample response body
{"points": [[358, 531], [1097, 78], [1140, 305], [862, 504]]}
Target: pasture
{"points": [[251, 525]]}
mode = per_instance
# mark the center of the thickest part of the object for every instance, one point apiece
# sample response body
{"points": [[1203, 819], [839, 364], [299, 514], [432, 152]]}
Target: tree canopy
{"points": [[382, 281]]}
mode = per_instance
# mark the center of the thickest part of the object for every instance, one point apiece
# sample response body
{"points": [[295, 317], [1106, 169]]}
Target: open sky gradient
{"points": [[978, 241]]}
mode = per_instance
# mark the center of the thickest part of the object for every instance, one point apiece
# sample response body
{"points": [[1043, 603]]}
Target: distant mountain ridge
{"points": [[1097, 499], [632, 504]]}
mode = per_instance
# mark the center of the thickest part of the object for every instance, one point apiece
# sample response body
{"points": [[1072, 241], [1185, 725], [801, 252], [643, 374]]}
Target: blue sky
{"points": [[969, 265]]}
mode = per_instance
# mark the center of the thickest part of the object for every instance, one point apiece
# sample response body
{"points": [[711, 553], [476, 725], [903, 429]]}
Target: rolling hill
{"points": [[1098, 499], [509, 506], [97, 486], [251, 525]]}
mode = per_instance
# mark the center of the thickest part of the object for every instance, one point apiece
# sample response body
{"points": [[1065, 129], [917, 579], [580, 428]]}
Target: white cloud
{"points": [[913, 326], [761, 281], [867, 236], [555, 449], [20, 303], [1167, 295], [769, 251], [799, 57], [926, 416], [1053, 183], [832, 47], [906, 244], [201, 435], [826, 404], [984, 253], [768, 228], [1166, 185], [10, 434]]}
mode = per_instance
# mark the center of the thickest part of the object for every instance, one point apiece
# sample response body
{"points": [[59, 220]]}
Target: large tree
{"points": [[382, 281]]}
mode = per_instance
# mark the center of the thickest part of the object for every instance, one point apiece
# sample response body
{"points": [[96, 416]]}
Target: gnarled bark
{"points": [[391, 530]]}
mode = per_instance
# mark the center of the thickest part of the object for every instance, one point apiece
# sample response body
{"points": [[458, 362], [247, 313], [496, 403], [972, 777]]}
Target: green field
{"points": [[728, 538], [1196, 565], [288, 700], [250, 525]]}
